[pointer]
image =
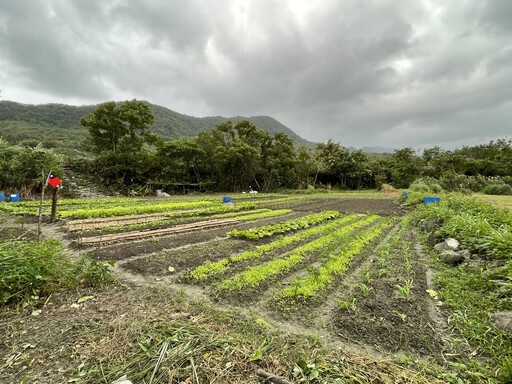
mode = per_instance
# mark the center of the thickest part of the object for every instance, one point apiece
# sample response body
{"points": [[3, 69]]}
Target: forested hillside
{"points": [[58, 125]]}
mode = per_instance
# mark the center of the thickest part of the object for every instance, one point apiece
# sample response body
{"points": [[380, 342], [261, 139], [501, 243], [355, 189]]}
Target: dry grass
{"points": [[134, 331], [502, 201]]}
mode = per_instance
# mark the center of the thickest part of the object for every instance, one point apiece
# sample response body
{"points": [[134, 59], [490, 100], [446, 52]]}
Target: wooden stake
{"points": [[54, 204], [43, 184]]}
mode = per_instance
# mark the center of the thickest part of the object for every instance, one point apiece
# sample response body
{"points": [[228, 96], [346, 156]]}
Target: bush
{"points": [[32, 269], [419, 186], [476, 183], [507, 180], [38, 269], [466, 191], [426, 184], [498, 189]]}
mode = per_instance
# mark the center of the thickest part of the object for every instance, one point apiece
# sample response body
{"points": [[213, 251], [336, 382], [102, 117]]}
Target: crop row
{"points": [[133, 210], [252, 276], [209, 269], [322, 277], [116, 200], [290, 225], [185, 217]]}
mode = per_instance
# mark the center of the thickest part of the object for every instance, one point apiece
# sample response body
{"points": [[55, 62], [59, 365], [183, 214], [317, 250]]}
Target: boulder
{"points": [[440, 246], [451, 257], [502, 321], [452, 243]]}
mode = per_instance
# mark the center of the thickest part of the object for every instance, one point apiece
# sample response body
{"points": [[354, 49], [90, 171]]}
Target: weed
{"points": [[365, 290], [402, 316], [348, 305], [94, 273], [405, 290]]}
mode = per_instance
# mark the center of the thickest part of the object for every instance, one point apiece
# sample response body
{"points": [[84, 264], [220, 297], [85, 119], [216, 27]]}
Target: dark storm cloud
{"points": [[366, 73]]}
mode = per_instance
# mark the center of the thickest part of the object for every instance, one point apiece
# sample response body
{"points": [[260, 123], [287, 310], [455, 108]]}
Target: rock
{"points": [[451, 257], [465, 254], [441, 246], [452, 243], [449, 243], [502, 321], [428, 225]]}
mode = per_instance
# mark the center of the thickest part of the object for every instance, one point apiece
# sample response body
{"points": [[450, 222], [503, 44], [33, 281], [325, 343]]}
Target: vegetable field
{"points": [[352, 269]]}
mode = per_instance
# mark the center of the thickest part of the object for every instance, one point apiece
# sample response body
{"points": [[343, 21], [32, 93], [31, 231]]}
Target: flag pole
{"points": [[54, 203], [43, 185]]}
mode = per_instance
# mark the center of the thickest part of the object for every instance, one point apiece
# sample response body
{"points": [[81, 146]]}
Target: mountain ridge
{"points": [[60, 123]]}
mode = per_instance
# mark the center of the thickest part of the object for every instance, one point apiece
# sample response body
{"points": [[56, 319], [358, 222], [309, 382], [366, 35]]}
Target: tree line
{"points": [[122, 154]]}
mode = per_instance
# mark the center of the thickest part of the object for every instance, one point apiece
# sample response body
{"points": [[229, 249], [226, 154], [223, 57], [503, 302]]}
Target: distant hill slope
{"points": [[58, 125]]}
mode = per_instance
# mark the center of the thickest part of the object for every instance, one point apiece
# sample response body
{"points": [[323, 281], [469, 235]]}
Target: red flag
{"points": [[53, 180]]}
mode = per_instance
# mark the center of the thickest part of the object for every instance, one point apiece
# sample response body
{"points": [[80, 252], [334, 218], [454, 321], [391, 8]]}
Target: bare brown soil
{"points": [[187, 258], [382, 207]]}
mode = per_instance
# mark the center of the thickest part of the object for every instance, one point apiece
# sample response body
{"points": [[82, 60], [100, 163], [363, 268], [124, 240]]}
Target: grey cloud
{"points": [[365, 73]]}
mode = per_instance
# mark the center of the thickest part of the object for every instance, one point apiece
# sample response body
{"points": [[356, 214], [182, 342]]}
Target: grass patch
{"points": [[30, 269], [471, 298]]}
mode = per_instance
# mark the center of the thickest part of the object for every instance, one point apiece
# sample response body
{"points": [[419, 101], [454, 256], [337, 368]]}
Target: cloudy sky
{"points": [[364, 72]]}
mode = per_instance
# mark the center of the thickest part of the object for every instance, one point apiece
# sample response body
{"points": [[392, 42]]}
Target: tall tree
{"points": [[117, 134]]}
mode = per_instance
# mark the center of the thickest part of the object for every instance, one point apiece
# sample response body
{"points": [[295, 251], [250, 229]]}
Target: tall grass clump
{"points": [[37, 269], [426, 184], [498, 188]]}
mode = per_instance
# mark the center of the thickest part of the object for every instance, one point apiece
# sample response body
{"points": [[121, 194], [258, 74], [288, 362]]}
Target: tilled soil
{"points": [[185, 259], [382, 207], [129, 249], [384, 318]]}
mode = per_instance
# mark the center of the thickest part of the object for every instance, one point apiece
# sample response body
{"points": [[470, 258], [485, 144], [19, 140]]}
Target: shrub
{"points": [[466, 191], [498, 189], [426, 184], [38, 269], [476, 183], [419, 186], [28, 268]]}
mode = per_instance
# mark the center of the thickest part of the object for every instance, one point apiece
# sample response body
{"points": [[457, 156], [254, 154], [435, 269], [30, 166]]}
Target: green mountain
{"points": [[58, 125]]}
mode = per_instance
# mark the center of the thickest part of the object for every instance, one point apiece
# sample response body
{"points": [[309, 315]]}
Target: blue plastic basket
{"points": [[405, 193], [2, 197], [14, 198], [226, 199], [431, 200]]}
